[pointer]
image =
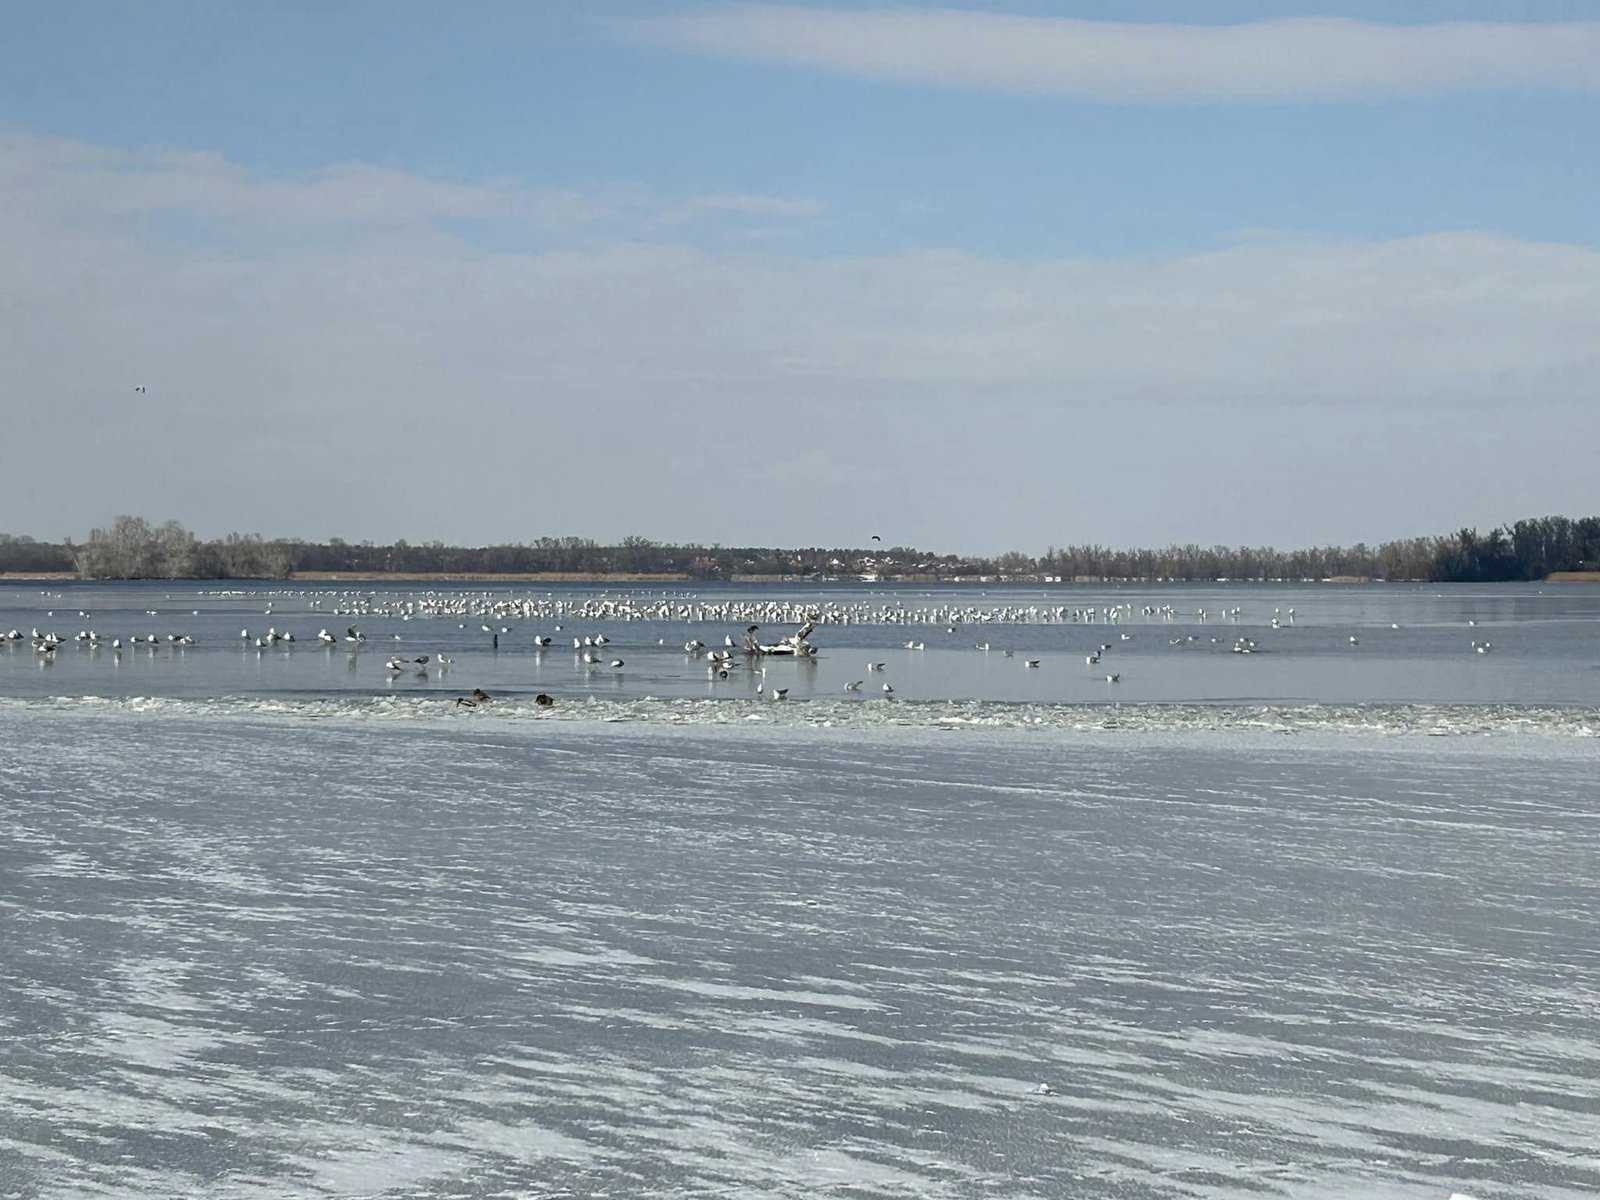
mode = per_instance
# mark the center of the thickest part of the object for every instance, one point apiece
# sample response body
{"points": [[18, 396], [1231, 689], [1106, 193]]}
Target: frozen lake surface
{"points": [[280, 926]]}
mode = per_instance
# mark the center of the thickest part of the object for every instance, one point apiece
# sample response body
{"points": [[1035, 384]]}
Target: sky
{"points": [[974, 279]]}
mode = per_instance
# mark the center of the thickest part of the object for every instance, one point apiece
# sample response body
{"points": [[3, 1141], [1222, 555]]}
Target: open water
{"points": [[1317, 920]]}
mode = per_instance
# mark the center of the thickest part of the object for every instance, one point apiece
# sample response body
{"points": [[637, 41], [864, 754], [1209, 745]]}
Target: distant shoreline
{"points": [[682, 578], [496, 576]]}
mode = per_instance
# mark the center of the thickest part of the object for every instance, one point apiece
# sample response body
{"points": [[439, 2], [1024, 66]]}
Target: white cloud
{"points": [[1313, 58], [737, 205], [73, 178], [304, 382]]}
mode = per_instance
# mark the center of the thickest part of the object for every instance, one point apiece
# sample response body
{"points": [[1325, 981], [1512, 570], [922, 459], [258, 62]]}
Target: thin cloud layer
{"points": [[757, 206], [1443, 315], [1308, 58], [71, 177], [411, 385]]}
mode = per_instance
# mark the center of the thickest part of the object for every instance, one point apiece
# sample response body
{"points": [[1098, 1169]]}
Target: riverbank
{"points": [[493, 577], [683, 578]]}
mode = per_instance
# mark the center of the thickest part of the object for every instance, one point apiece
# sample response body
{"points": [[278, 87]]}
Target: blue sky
{"points": [[996, 277]]}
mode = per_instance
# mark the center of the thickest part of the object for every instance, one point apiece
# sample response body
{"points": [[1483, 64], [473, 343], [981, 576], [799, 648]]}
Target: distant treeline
{"points": [[132, 548], [1524, 550]]}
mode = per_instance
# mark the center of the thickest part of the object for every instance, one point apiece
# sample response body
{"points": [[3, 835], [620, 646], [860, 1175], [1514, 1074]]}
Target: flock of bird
{"points": [[494, 614], [46, 644], [692, 609]]}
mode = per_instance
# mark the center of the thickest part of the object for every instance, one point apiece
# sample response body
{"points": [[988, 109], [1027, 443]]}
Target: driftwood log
{"points": [[794, 646]]}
